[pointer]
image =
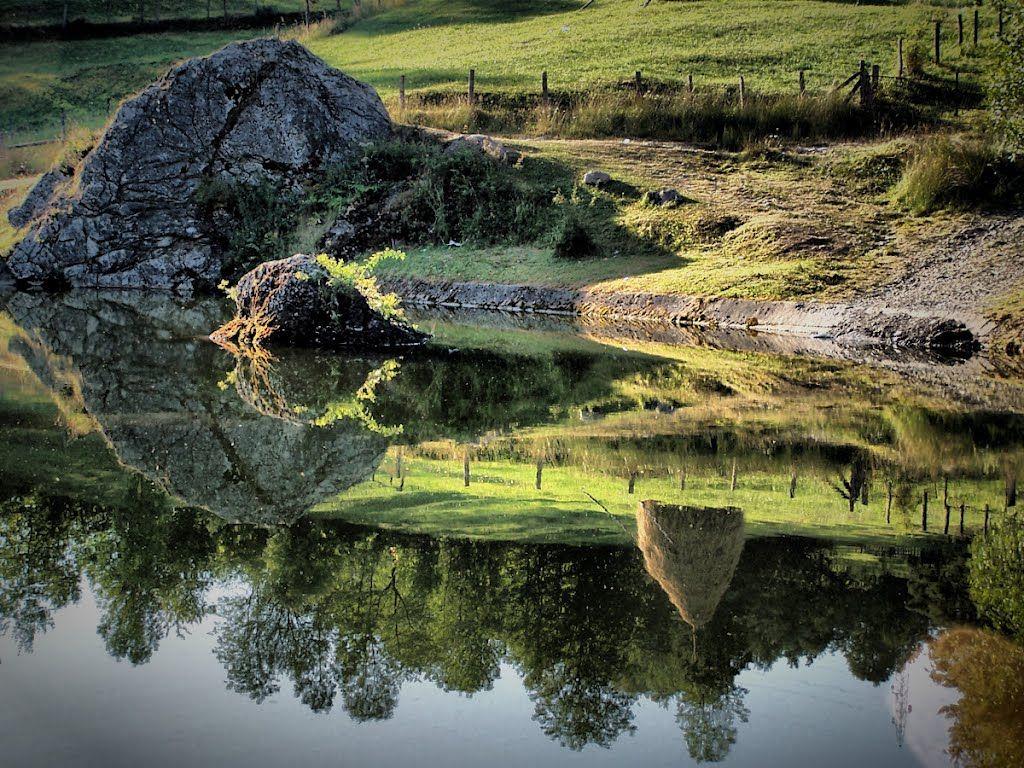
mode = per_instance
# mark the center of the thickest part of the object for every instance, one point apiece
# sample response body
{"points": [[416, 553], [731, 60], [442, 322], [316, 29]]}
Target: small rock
{"points": [[487, 145], [670, 197], [596, 178], [291, 302]]}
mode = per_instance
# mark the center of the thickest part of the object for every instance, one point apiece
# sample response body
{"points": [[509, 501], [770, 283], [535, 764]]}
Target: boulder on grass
{"points": [[257, 112], [596, 178], [294, 302], [665, 198]]}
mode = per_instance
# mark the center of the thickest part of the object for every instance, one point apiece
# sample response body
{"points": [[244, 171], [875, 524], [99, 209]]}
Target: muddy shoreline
{"points": [[846, 324]]}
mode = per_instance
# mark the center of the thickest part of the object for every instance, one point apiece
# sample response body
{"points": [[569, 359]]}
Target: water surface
{"points": [[550, 545]]}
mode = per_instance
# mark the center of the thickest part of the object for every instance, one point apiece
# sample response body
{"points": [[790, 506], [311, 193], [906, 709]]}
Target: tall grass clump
{"points": [[949, 171], [712, 117]]}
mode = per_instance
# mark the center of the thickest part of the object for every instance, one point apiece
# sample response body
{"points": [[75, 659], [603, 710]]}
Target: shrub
{"points": [[573, 240], [1008, 83], [358, 276], [957, 171], [253, 223], [428, 194]]}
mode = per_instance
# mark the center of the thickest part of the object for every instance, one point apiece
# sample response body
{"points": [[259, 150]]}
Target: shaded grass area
{"points": [[19, 12]]}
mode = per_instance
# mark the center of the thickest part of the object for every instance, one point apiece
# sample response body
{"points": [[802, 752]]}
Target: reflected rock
{"points": [[162, 395], [692, 552]]}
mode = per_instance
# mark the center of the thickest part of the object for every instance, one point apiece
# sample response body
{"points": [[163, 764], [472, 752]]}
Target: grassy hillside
{"points": [[436, 42], [21, 12], [85, 78]]}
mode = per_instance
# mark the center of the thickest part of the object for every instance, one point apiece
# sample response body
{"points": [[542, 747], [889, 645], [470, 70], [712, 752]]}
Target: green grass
{"points": [[435, 43], [39, 80], [501, 502], [20, 12]]}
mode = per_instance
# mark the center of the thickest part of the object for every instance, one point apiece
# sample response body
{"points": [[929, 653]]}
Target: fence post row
{"points": [[401, 92], [472, 86]]}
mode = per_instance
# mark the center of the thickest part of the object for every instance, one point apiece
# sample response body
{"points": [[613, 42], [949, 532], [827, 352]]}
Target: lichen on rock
{"points": [[257, 112]]}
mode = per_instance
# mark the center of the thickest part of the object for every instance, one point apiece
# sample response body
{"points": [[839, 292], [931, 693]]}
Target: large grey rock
{"points": [[263, 110], [596, 178], [292, 302]]}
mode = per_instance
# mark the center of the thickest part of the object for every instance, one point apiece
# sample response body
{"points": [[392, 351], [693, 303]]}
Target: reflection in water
{"points": [[168, 412], [987, 670], [692, 553], [349, 618]]}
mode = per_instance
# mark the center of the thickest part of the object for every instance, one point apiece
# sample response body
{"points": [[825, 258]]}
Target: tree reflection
{"points": [[345, 616], [987, 722]]}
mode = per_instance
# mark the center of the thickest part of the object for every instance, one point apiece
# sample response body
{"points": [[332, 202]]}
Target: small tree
{"points": [[1008, 82]]}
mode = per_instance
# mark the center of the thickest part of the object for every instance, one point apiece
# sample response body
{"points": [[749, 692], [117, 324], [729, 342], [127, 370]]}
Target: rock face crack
{"points": [[254, 112]]}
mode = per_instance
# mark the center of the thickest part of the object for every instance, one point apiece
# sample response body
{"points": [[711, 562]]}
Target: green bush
{"points": [[958, 172], [252, 223], [427, 194], [1008, 82], [573, 240]]}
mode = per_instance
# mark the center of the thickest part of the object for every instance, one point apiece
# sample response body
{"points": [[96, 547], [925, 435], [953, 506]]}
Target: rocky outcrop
{"points": [[263, 111], [294, 302]]}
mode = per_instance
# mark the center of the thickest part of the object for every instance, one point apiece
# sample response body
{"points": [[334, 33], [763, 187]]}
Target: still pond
{"points": [[532, 543]]}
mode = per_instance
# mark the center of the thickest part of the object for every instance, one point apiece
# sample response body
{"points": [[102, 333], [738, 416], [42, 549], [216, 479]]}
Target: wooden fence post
{"points": [[803, 83], [865, 85], [876, 78], [632, 482], [938, 42], [465, 469], [962, 510], [544, 86], [924, 513], [960, 31], [976, 22], [986, 519], [743, 92], [899, 57], [956, 95], [945, 528], [639, 79], [689, 83], [732, 483], [472, 86], [540, 474], [999, 33], [401, 92], [682, 479]]}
